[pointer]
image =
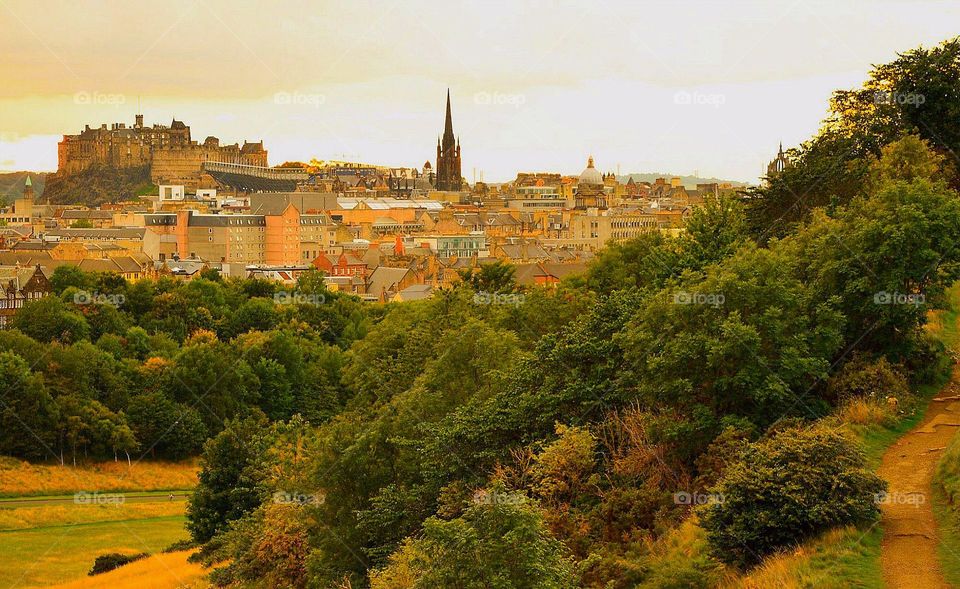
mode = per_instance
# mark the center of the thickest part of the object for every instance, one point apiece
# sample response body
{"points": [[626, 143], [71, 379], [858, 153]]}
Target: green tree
{"points": [[494, 277], [28, 414], [229, 485], [499, 543], [209, 375], [66, 276], [165, 428], [646, 262], [49, 319]]}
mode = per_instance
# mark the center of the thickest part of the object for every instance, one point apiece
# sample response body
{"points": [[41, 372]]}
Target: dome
{"points": [[590, 175]]}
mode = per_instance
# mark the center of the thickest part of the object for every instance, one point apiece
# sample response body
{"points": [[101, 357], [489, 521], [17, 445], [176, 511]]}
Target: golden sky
{"points": [[644, 86]]}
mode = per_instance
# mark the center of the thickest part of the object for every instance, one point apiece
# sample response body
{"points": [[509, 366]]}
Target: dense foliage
{"points": [[106, 368], [575, 426]]}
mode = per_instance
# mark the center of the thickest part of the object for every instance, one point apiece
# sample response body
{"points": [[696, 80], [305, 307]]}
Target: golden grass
{"points": [[22, 478], [161, 571], [22, 518], [833, 560], [863, 411]]}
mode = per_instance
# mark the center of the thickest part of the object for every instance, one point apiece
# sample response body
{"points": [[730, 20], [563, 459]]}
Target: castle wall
{"points": [[173, 158]]}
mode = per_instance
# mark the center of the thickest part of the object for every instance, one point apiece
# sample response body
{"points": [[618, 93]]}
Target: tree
{"points": [[500, 542], [492, 278], [887, 259], [713, 232], [645, 262], [48, 319], [255, 314], [28, 414], [229, 486], [165, 428], [66, 276], [208, 375], [748, 340], [907, 159], [917, 93]]}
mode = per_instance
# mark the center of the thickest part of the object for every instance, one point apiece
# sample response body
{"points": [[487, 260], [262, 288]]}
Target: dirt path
{"points": [[908, 554]]}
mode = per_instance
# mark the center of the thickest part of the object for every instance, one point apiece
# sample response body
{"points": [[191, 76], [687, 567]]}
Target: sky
{"points": [[703, 87]]}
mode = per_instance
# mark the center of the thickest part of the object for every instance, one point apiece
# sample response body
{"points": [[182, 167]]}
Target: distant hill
{"points": [[99, 184], [685, 180], [11, 184]]}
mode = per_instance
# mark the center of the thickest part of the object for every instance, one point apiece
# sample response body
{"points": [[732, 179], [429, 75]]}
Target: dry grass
{"points": [[22, 478], [22, 518], [833, 560], [161, 571], [865, 411]]}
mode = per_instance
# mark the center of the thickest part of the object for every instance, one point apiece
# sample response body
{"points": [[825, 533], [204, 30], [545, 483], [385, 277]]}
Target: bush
{"points": [[786, 488], [180, 545], [861, 378], [108, 562]]}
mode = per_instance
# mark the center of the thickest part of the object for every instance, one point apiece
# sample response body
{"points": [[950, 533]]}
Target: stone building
{"points": [[591, 190], [448, 170], [170, 153], [779, 163]]}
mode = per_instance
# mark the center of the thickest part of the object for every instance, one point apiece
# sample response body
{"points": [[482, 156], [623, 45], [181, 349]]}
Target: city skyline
{"points": [[534, 86]]}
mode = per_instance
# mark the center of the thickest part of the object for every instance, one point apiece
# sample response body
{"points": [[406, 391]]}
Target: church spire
{"points": [[448, 155], [448, 138]]}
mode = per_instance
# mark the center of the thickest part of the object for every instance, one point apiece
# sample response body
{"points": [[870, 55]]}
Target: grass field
{"points": [[53, 541], [25, 518], [162, 571], [18, 478], [49, 555]]}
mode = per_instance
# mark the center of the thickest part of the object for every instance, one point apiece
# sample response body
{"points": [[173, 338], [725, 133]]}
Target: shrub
{"points": [[861, 378], [108, 562], [786, 488]]}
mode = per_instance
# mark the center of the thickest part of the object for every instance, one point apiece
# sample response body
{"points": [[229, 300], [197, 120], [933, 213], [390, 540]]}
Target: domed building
{"points": [[590, 191]]}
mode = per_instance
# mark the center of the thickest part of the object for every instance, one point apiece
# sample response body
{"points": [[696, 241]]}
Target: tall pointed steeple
{"points": [[448, 138], [448, 156]]}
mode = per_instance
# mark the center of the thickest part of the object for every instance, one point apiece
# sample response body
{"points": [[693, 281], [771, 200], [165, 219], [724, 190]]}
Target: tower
{"points": [[779, 164], [448, 156]]}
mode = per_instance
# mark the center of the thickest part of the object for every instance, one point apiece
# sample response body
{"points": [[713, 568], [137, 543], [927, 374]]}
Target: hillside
{"points": [[97, 185], [11, 184], [685, 180]]}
